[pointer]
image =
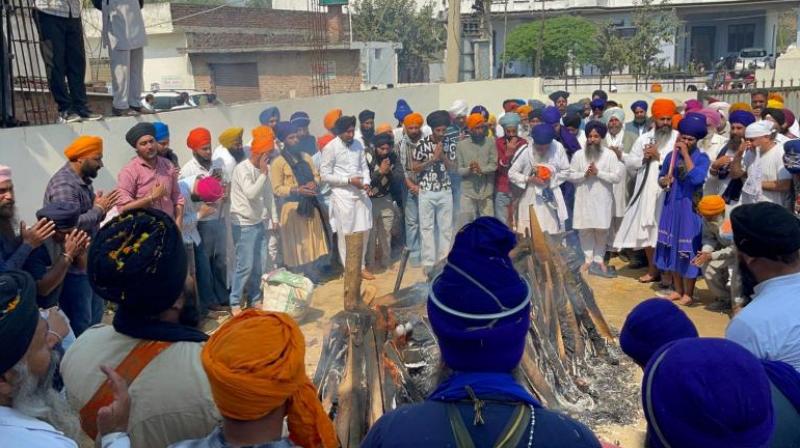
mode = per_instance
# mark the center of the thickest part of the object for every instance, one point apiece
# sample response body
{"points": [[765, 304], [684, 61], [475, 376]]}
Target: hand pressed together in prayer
{"points": [[592, 170], [106, 201], [475, 167], [38, 233], [76, 243], [114, 417], [438, 152], [701, 259]]}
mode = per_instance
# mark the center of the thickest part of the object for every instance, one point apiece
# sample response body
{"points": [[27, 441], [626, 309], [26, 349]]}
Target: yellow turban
{"points": [[711, 206], [84, 146], [229, 137], [741, 106], [774, 104], [255, 363]]}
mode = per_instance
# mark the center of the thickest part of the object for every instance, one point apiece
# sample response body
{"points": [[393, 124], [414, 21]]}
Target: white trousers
{"points": [[127, 77], [593, 243]]}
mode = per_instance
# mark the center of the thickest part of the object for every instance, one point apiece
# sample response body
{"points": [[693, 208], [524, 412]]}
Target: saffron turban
{"points": [[413, 119], [791, 156], [650, 325], [693, 124], [596, 126], [85, 146], [707, 392], [255, 363], [479, 306], [711, 205], [480, 110], [558, 94], [385, 138], [765, 229], [138, 131], [20, 316], [138, 261], [475, 120], [401, 110], [742, 117], [365, 115], [63, 214], [692, 105], [209, 189], [261, 132], [5, 173], [330, 118], [383, 128], [230, 136], [300, 119], [284, 129], [663, 107], [344, 123], [459, 108], [759, 129], [551, 115], [741, 106], [263, 140], [162, 131], [524, 110], [676, 119], [543, 134], [198, 138], [438, 118], [640, 104], [268, 114], [613, 112], [510, 120]]}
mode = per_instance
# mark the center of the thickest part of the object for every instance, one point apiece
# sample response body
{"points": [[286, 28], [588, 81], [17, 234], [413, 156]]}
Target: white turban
{"points": [[722, 107], [615, 112], [759, 129], [459, 108]]}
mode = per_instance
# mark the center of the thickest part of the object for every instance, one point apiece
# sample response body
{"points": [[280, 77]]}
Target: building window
{"points": [[741, 36], [330, 70], [377, 53]]}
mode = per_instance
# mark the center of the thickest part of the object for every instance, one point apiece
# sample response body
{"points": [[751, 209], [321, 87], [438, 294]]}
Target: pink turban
{"points": [[209, 189], [713, 118]]}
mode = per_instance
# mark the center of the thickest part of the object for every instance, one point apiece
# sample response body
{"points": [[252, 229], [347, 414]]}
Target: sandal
{"points": [[646, 278], [683, 301]]}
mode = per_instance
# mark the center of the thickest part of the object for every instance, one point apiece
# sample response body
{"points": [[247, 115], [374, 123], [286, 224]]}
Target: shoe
{"points": [[123, 112], [596, 270], [366, 275], [68, 117], [87, 115], [140, 110]]}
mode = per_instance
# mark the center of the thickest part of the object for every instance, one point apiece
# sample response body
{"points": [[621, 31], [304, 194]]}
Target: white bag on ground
{"points": [[286, 292]]}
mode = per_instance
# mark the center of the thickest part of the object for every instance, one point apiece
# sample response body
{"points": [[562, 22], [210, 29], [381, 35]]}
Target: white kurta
{"points": [[639, 227], [351, 208], [594, 196], [712, 145], [550, 220], [620, 188]]}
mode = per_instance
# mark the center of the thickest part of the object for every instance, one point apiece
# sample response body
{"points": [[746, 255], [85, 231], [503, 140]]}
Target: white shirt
{"points": [[711, 146], [769, 327], [223, 157], [250, 193], [760, 167], [350, 207], [20, 430], [620, 188], [594, 196], [193, 168], [189, 230], [550, 220]]}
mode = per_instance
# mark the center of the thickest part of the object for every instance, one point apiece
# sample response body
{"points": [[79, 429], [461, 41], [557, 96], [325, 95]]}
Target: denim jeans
{"points": [[251, 253], [82, 306], [502, 201], [213, 237], [455, 188], [435, 225], [412, 227], [203, 278]]}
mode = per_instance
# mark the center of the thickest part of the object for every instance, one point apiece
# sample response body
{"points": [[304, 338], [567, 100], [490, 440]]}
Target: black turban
{"points": [[595, 125], [382, 139], [776, 114], [138, 261], [765, 229], [572, 120], [536, 113], [19, 316], [138, 131], [438, 118], [63, 214], [365, 115], [558, 94], [344, 123]]}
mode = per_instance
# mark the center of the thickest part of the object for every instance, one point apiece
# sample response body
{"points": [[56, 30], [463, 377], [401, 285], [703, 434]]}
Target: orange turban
{"points": [[663, 107], [524, 111], [263, 140], [741, 106], [198, 137], [255, 363], [331, 117], [383, 128], [656, 88], [84, 146], [230, 136], [413, 119], [676, 119], [711, 205], [475, 120]]}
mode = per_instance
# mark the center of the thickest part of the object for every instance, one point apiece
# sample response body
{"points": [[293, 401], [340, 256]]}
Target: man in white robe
{"points": [[594, 170], [540, 169], [620, 143], [639, 227], [344, 167]]}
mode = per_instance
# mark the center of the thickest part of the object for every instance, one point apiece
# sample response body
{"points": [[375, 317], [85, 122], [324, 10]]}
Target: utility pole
{"points": [[505, 39], [452, 61], [537, 69], [487, 17]]}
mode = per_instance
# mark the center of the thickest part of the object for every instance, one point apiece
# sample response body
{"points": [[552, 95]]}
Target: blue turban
{"points": [[283, 129], [598, 103], [742, 117], [543, 134], [162, 131], [479, 306], [64, 214], [480, 110], [536, 104], [693, 124], [641, 104], [707, 392], [402, 109], [596, 125], [268, 113], [791, 156], [300, 119], [551, 115], [650, 325], [509, 119]]}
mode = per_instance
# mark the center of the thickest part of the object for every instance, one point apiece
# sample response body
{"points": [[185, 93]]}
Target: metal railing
{"points": [[676, 82]]}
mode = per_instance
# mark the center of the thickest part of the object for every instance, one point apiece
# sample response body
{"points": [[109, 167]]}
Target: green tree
{"points": [[422, 37], [656, 24], [566, 41], [612, 50]]}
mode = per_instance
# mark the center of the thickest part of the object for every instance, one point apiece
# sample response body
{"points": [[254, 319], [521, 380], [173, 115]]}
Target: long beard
{"points": [[735, 142], [593, 151], [662, 136], [35, 397], [8, 224]]}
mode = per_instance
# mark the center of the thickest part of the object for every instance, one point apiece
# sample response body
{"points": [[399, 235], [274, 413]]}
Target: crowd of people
{"points": [[686, 190]]}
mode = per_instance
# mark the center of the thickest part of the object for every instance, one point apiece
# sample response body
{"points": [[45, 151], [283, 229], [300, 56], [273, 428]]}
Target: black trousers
{"points": [[61, 43]]}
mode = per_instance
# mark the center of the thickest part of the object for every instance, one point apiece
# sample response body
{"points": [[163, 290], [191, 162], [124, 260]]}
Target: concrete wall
{"points": [[35, 153]]}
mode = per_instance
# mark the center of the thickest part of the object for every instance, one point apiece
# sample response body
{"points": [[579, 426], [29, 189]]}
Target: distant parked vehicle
{"points": [[164, 100], [752, 58]]}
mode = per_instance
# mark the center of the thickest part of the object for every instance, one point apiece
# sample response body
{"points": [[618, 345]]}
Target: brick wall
{"points": [[234, 17]]}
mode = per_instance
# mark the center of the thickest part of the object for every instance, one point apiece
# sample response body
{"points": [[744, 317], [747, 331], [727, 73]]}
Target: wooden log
{"points": [[354, 244], [536, 379], [539, 246], [373, 378]]}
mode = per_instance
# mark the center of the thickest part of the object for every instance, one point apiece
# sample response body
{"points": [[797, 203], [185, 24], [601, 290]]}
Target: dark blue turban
{"points": [[785, 378], [344, 123], [365, 115], [64, 214], [598, 103], [596, 125], [551, 115], [283, 129], [709, 393], [383, 139], [558, 94], [480, 110], [300, 119], [742, 117], [479, 306], [268, 113], [572, 119], [650, 325], [693, 124], [791, 156], [438, 118], [402, 109], [543, 134], [641, 104]]}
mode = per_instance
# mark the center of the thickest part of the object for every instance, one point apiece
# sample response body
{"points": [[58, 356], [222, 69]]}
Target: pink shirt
{"points": [[136, 179]]}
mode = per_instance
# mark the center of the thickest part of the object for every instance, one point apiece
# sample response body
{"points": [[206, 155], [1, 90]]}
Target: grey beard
{"points": [[35, 397], [662, 136], [593, 152]]}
